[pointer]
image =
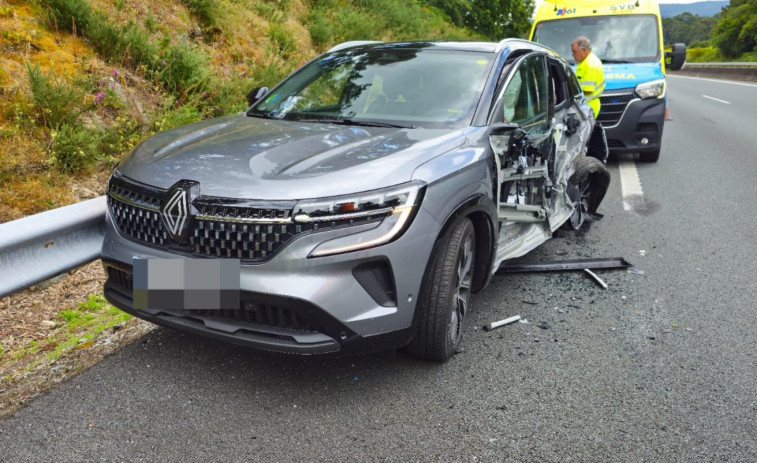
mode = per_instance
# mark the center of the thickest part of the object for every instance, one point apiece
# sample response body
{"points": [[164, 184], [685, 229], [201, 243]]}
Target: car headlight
{"points": [[394, 207], [653, 89]]}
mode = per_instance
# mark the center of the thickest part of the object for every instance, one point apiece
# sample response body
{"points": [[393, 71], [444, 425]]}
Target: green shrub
{"points": [[352, 25], [74, 148], [151, 24], [283, 40], [271, 10], [321, 30], [118, 139], [403, 19], [269, 74], [206, 11], [182, 70], [703, 44], [67, 14], [56, 101], [172, 116], [702, 54]]}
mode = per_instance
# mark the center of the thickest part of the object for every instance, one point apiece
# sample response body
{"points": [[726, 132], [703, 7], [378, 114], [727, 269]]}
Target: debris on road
{"points": [[543, 325], [596, 278], [506, 321], [563, 265]]}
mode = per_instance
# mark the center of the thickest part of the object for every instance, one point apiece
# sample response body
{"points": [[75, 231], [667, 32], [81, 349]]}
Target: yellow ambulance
{"points": [[627, 37]]}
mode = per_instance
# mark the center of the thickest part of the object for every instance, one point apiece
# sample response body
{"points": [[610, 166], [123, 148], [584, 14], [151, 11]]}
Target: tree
{"points": [[687, 28], [454, 9], [736, 31], [499, 19]]}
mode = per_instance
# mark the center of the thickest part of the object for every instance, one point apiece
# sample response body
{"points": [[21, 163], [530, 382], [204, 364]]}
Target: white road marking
{"points": [[720, 81], [716, 99], [630, 187]]}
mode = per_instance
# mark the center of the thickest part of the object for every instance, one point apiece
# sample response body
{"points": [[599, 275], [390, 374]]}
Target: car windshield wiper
{"points": [[615, 61], [345, 121], [262, 115]]}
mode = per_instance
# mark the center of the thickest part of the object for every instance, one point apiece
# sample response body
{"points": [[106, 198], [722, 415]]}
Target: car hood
{"points": [[244, 157]]}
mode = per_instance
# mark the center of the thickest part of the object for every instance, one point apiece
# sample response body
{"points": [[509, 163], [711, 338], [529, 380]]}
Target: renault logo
{"points": [[176, 211]]}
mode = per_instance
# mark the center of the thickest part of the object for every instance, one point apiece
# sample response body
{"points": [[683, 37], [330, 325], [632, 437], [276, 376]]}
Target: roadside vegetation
{"points": [[729, 36]]}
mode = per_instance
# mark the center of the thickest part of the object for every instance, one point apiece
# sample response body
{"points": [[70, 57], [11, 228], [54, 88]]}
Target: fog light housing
{"points": [[644, 141]]}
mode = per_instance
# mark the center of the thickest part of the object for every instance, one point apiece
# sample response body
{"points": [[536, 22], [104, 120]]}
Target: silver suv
{"points": [[356, 205]]}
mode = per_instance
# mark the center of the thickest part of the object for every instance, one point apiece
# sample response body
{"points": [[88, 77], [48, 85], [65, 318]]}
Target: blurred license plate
{"points": [[186, 284]]}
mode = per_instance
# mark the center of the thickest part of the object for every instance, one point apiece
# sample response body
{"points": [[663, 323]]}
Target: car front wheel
{"points": [[445, 293]]}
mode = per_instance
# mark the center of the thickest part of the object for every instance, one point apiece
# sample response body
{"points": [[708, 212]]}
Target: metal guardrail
{"points": [[41, 246], [739, 71], [735, 64]]}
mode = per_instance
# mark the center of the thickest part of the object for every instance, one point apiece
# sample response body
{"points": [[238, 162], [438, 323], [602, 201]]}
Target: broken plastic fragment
{"points": [[596, 278], [635, 271], [493, 325]]}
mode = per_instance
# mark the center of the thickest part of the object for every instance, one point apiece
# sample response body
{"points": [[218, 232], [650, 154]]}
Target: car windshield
{"points": [[380, 86], [615, 39]]}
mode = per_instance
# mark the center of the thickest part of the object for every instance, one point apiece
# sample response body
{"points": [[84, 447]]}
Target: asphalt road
{"points": [[658, 367]]}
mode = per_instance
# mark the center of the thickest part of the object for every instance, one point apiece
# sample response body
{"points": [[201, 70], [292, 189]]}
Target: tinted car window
{"points": [[414, 85], [558, 82], [573, 86], [525, 97]]}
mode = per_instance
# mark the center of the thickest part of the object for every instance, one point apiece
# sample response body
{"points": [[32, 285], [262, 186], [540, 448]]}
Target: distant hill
{"points": [[703, 9]]}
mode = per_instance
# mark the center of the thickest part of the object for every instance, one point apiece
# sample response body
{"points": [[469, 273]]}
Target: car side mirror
{"points": [[572, 123], [675, 58], [256, 94]]}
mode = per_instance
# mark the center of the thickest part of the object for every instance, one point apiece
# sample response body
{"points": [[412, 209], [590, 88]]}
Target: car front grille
{"points": [[241, 241], [141, 223], [612, 107], [222, 227]]}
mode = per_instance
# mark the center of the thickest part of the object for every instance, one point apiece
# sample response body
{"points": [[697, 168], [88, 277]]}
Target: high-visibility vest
{"points": [[591, 76]]}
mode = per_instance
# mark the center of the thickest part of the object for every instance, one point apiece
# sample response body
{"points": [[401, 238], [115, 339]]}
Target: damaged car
{"points": [[356, 205]]}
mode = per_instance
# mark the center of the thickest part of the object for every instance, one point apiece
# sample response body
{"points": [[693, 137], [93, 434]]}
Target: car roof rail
{"points": [[352, 43]]}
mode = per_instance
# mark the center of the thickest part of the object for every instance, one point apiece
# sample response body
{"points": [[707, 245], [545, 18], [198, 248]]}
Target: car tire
{"points": [[445, 293], [591, 179], [650, 156]]}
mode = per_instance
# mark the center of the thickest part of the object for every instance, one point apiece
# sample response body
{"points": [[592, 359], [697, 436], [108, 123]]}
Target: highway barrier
{"points": [[729, 71], [41, 246]]}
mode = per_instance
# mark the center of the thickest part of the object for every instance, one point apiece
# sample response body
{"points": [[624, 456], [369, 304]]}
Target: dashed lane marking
{"points": [[716, 99], [630, 187], [719, 81]]}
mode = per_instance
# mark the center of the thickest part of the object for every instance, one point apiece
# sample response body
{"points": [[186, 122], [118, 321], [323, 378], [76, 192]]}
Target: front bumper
{"points": [[355, 302], [628, 123]]}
